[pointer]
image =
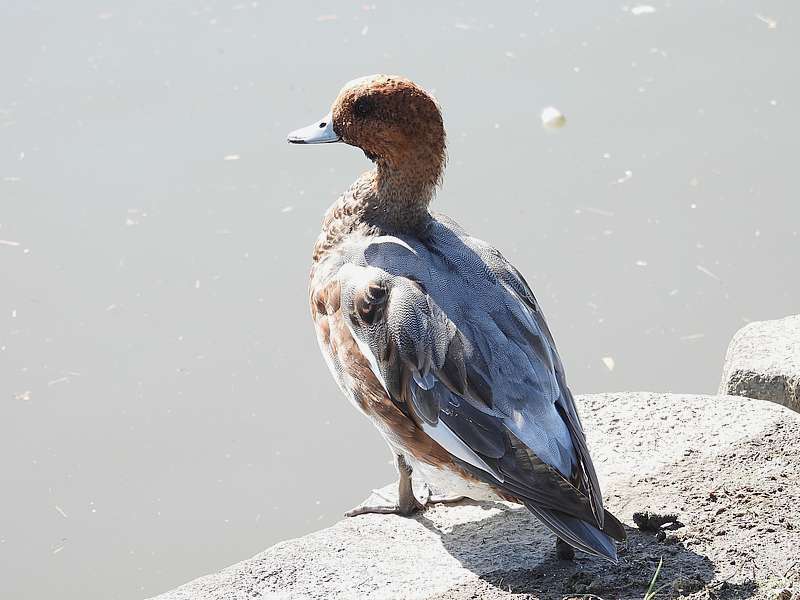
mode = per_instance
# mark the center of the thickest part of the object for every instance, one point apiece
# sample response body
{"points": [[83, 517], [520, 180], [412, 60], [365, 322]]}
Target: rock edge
{"points": [[727, 466]]}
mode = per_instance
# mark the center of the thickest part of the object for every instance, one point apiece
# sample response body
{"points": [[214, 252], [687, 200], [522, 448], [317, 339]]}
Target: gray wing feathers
{"points": [[492, 355], [566, 402], [463, 347]]}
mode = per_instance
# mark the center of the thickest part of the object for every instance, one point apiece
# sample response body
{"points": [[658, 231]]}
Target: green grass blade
{"points": [[651, 591]]}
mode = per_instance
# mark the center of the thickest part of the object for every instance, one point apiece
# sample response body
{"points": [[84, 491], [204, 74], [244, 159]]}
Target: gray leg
{"points": [[407, 503], [563, 550]]}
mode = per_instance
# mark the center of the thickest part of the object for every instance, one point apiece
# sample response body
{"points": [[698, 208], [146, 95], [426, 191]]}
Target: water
{"points": [[164, 410]]}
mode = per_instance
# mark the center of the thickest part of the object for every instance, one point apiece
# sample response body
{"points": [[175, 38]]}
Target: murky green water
{"points": [[163, 407]]}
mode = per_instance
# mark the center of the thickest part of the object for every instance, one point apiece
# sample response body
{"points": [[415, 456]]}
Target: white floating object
{"points": [[769, 21], [231, 157], [643, 9], [608, 361], [706, 271], [552, 118], [627, 176], [692, 336]]}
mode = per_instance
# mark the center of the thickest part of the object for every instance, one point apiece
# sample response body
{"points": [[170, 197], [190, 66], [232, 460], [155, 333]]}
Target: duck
{"points": [[436, 338]]}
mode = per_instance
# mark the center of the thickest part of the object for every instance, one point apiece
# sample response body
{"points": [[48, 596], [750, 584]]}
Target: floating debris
{"points": [[608, 361], [325, 18], [643, 9], [8, 243], [627, 176], [134, 217], [596, 211], [24, 396], [692, 336], [705, 271], [552, 118], [641, 263], [60, 546], [364, 30], [769, 21], [287, 209], [231, 157], [61, 511]]}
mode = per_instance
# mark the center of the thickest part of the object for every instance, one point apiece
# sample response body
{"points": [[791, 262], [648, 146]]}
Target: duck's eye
{"points": [[363, 107]]}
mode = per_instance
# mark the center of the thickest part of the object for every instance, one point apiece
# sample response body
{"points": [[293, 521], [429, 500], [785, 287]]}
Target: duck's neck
{"points": [[387, 199], [399, 198]]}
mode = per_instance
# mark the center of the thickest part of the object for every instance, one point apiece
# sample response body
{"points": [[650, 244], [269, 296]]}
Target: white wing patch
{"points": [[440, 432], [373, 362], [448, 440]]}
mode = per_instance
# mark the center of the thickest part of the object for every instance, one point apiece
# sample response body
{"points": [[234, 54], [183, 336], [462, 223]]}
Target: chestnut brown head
{"points": [[396, 123]]}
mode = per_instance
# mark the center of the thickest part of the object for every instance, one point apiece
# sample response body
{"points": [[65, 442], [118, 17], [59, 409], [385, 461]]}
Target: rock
{"points": [[763, 362], [717, 463]]}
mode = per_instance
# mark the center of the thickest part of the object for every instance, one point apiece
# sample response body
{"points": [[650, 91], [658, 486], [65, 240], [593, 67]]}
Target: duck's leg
{"points": [[563, 550], [406, 505]]}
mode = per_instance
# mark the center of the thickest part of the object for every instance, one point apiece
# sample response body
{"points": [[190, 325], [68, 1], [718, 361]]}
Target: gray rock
{"points": [[728, 469], [763, 362]]}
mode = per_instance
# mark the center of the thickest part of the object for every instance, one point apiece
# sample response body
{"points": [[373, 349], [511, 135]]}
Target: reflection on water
{"points": [[164, 408]]}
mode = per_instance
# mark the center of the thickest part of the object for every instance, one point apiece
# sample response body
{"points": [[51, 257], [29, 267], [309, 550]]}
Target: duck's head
{"points": [[395, 122]]}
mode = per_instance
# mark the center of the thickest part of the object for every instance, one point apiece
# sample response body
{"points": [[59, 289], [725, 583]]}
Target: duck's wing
{"points": [[586, 474], [487, 390]]}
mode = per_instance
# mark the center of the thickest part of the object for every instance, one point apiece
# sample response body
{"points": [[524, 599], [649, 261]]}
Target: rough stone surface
{"points": [[763, 362], [727, 467]]}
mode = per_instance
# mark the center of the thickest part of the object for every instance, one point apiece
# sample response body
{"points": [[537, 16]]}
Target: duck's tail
{"points": [[583, 535]]}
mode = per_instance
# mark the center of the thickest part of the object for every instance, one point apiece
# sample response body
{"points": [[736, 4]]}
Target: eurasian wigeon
{"points": [[436, 337]]}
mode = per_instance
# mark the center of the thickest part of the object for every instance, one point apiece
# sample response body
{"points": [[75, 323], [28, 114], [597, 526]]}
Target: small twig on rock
{"points": [[650, 521]]}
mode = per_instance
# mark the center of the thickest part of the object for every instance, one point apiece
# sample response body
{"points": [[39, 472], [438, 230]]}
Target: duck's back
{"points": [[475, 291]]}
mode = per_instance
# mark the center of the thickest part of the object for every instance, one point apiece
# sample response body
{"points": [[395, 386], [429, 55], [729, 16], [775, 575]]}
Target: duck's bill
{"points": [[320, 132]]}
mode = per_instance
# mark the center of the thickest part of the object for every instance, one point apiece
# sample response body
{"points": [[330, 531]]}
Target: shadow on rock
{"points": [[512, 553]]}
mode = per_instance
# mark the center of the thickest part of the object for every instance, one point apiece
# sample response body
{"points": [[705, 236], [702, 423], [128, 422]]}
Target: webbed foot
{"points": [[405, 507], [407, 502]]}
